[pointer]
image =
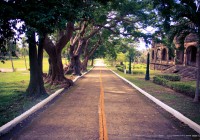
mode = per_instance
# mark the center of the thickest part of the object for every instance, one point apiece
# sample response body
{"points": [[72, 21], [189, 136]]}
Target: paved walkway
{"points": [[77, 114]]}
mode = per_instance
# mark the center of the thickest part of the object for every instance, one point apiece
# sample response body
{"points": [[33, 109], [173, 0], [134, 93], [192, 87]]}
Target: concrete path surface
{"points": [[126, 114]]}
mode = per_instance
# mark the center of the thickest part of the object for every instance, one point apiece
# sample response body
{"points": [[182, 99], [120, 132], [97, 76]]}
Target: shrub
{"points": [[120, 69], [138, 71], [160, 81], [172, 77], [177, 86], [139, 66], [184, 88], [118, 66]]}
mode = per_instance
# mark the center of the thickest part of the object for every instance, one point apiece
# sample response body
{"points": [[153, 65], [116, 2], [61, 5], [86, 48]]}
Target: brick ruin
{"points": [[183, 60]]}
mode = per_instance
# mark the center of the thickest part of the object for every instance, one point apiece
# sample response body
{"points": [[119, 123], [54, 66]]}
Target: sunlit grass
{"points": [[12, 90], [20, 63], [13, 85]]}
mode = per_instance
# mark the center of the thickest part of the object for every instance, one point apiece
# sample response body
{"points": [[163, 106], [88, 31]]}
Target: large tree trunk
{"points": [[88, 54], [56, 72], [75, 63], [84, 64], [57, 68], [36, 85], [74, 66], [86, 57], [92, 63]]}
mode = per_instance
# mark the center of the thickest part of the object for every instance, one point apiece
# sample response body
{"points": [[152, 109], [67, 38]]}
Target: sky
{"points": [[142, 44]]}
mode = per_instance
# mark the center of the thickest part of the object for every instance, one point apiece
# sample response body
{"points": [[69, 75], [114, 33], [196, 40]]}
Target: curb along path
{"points": [[10, 125], [172, 111], [130, 115]]}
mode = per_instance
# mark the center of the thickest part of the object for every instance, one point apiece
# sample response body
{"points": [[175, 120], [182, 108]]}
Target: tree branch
{"points": [[65, 38]]}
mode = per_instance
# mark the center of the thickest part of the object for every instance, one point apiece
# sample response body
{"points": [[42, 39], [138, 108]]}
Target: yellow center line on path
{"points": [[103, 135]]}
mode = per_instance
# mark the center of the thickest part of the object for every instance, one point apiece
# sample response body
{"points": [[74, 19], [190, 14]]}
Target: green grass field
{"points": [[12, 90], [13, 85], [20, 63]]}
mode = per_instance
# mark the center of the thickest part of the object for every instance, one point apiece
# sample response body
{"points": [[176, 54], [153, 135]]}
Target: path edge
{"points": [[11, 124], [172, 111]]}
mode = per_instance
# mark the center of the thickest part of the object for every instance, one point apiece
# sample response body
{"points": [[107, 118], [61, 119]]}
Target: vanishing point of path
{"points": [[101, 106]]}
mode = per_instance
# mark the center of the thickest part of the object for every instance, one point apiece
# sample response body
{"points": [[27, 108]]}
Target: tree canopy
{"points": [[80, 22]]}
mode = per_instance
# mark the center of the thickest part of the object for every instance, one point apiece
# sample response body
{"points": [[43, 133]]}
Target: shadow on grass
{"points": [[13, 100]]}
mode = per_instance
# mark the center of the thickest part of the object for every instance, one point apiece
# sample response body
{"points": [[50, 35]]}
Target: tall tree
{"points": [[91, 48], [43, 18], [36, 84], [77, 44]]}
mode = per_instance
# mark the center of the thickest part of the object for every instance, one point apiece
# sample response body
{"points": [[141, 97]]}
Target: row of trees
{"points": [[82, 26]]}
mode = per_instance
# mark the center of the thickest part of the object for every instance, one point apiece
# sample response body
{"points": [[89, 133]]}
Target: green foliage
{"points": [[185, 88], [183, 14], [120, 68], [170, 77], [159, 80], [12, 94], [139, 66], [121, 57], [138, 69], [134, 71]]}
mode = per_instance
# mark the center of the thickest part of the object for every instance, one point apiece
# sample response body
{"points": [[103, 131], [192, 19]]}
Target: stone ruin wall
{"points": [[161, 60]]}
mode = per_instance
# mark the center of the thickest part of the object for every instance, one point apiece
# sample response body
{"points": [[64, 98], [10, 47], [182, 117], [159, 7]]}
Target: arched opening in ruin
{"points": [[179, 57], [164, 54], [158, 54], [191, 53]]}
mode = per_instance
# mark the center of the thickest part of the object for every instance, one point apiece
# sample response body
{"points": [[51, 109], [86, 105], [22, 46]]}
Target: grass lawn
{"points": [[20, 63], [12, 91], [13, 101], [178, 101]]}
